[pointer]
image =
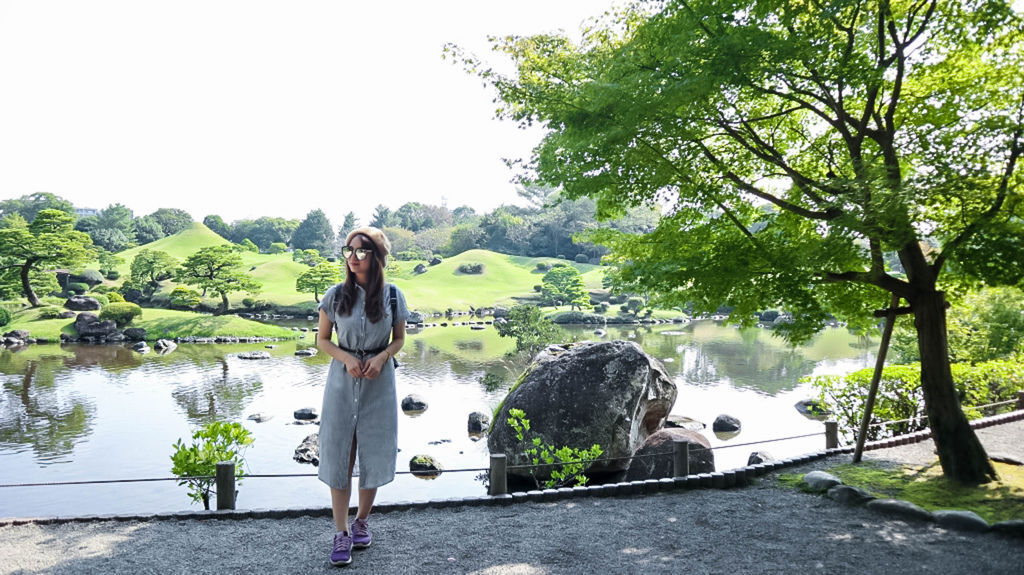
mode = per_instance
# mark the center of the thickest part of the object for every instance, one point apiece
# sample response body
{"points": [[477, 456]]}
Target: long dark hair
{"points": [[374, 289]]}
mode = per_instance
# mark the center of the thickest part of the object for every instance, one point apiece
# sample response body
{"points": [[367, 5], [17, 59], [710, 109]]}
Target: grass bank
{"points": [[158, 323], [1000, 500]]}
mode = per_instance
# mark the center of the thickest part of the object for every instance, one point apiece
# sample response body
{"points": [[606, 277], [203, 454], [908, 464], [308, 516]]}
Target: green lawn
{"points": [[158, 323]]}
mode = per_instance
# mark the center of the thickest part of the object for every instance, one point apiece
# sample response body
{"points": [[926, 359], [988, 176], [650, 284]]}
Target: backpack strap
{"points": [[394, 303]]}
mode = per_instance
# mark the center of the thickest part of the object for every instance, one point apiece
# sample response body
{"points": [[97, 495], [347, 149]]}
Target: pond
{"points": [[86, 412]]}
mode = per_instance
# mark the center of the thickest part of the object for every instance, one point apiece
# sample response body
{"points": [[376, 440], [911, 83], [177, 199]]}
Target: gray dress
{"points": [[367, 408]]}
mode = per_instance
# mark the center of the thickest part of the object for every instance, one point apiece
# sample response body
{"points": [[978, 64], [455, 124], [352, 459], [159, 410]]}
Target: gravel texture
{"points": [[763, 528]]}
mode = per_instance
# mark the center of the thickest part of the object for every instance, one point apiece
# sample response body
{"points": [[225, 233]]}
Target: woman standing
{"points": [[360, 410]]}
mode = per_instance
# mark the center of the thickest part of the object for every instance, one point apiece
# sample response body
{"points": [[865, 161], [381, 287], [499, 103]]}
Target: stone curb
{"points": [[726, 479]]}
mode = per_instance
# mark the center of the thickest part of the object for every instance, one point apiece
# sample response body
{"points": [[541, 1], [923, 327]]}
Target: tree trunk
{"points": [[224, 302], [33, 300], [960, 453]]}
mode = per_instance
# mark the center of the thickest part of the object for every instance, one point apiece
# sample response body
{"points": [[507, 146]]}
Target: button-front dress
{"points": [[367, 408]]}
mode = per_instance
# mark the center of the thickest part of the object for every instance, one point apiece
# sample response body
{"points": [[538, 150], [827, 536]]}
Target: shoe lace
{"points": [[359, 527], [342, 542]]}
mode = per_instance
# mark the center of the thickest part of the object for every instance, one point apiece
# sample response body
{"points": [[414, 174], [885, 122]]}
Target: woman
{"points": [[360, 411]]}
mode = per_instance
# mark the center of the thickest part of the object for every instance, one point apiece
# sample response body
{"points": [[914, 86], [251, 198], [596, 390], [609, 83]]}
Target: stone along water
{"points": [[81, 412]]}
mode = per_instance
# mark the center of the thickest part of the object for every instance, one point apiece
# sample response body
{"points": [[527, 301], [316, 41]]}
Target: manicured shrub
{"points": [[582, 259], [112, 274], [617, 299], [537, 288], [472, 268], [5, 317], [560, 256], [91, 277], [114, 297], [248, 245], [102, 299], [77, 288], [102, 289], [543, 266], [600, 307], [121, 313], [50, 312], [277, 248]]}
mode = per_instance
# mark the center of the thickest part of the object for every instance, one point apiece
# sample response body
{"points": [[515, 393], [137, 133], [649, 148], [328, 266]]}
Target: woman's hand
{"points": [[354, 366], [373, 367]]}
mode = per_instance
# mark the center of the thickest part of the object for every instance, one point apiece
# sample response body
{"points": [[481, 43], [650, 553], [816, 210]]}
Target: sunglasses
{"points": [[361, 253]]}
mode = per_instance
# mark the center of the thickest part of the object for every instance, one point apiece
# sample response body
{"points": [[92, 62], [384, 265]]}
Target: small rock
{"points": [[440, 442], [478, 422], [760, 457], [306, 413], [270, 346], [477, 327], [812, 408], [140, 347], [308, 352], [309, 450], [684, 422], [900, 509], [254, 355], [848, 495], [413, 403], [164, 346], [425, 467], [725, 423], [961, 520], [260, 417], [82, 303], [821, 481], [21, 334]]}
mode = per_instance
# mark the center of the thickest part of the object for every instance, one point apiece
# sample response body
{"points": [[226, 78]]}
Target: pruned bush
{"points": [[50, 312], [617, 299], [102, 299], [543, 266], [5, 317], [112, 274], [256, 304], [582, 259], [537, 288], [561, 256], [600, 307], [114, 297], [77, 288], [90, 277], [472, 268], [277, 248], [102, 289], [122, 313]]}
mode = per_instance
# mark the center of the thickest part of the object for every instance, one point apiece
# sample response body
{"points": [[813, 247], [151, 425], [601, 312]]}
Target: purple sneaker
{"points": [[360, 534], [342, 552]]}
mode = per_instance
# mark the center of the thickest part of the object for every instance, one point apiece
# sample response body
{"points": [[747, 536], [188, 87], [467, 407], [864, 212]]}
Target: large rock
{"points": [[163, 346], [725, 423], [415, 317], [609, 393], [19, 334], [821, 481], [82, 303], [413, 403], [654, 459], [478, 422], [135, 334], [88, 325]]}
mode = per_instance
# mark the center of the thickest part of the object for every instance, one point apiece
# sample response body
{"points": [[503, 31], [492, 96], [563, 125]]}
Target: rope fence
{"points": [[498, 480]]}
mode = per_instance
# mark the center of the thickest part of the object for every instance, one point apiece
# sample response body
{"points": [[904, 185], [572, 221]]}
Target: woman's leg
{"points": [[340, 497], [366, 497]]}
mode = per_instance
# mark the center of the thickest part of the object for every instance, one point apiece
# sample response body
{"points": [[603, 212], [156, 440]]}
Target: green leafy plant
{"points": [[567, 463], [122, 312], [529, 327], [472, 268], [5, 317], [196, 464], [50, 312]]}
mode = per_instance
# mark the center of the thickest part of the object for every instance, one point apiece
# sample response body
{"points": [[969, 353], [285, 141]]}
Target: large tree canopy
{"points": [[49, 242], [218, 269], [796, 146]]}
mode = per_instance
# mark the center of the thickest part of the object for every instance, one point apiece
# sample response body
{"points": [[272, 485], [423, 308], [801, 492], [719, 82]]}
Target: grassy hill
{"points": [[504, 277]]}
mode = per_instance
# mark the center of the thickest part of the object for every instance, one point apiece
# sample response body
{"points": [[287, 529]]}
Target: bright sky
{"points": [[248, 108]]}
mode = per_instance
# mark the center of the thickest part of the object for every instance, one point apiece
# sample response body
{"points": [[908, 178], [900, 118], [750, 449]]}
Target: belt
{"points": [[366, 352]]}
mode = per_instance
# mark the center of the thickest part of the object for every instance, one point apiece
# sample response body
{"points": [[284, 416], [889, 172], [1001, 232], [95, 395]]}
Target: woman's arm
{"points": [[323, 342], [375, 365]]}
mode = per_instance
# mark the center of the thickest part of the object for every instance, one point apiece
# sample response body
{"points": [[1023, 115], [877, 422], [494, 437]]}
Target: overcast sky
{"points": [[247, 108]]}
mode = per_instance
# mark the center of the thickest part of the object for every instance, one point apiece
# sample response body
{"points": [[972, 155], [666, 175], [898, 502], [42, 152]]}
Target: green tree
{"points": [[150, 267], [565, 284], [309, 257], [29, 206], [212, 444], [464, 237], [264, 231], [147, 229], [316, 280], [531, 330], [217, 225], [382, 217], [218, 269], [795, 145], [48, 243], [314, 233], [182, 297], [172, 220]]}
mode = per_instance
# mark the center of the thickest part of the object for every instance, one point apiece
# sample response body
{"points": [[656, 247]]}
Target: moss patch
{"points": [[1000, 500]]}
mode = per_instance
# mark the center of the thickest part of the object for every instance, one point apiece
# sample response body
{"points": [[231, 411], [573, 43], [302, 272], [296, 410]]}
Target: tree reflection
{"points": [[34, 412], [218, 398]]}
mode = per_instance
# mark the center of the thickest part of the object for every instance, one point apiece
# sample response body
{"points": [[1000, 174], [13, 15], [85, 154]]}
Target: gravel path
{"points": [[763, 528]]}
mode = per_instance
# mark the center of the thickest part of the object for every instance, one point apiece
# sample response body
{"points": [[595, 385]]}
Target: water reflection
{"points": [[34, 413], [217, 396]]}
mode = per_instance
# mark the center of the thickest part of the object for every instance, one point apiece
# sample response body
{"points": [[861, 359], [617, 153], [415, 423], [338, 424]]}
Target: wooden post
{"points": [[225, 485], [1020, 400], [869, 404], [680, 457], [831, 434], [498, 478]]}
